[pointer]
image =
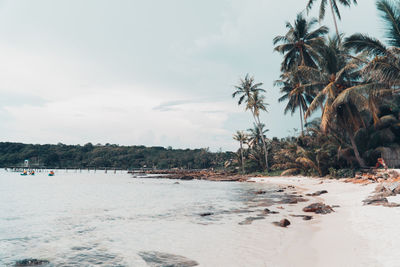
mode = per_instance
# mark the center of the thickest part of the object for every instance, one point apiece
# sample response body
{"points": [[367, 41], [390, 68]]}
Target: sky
{"points": [[145, 72]]}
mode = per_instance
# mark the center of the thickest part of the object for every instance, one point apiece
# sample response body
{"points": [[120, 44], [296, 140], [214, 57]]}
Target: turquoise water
{"points": [[98, 219]]}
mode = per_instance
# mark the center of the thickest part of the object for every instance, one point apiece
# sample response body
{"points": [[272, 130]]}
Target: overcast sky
{"points": [[144, 72]]}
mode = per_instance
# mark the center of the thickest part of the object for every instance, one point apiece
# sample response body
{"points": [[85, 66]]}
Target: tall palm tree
{"points": [[334, 9], [256, 141], [241, 137], [249, 93], [301, 43], [257, 104], [297, 96]]}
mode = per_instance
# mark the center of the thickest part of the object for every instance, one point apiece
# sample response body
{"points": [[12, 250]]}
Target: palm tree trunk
{"points": [[356, 153], [257, 119], [334, 19], [301, 120], [241, 153]]}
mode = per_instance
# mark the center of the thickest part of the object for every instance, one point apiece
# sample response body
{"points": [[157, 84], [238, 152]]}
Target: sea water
{"points": [[98, 219]]}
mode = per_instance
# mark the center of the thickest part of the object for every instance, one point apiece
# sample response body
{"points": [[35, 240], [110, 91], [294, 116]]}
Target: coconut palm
{"points": [[297, 96], [341, 94], [301, 43], [334, 9], [241, 137], [257, 104], [249, 92], [256, 141]]}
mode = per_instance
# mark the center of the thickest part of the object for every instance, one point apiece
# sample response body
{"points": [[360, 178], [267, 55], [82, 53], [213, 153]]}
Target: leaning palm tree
{"points": [[301, 43], [341, 95], [241, 137], [249, 92], [334, 9]]}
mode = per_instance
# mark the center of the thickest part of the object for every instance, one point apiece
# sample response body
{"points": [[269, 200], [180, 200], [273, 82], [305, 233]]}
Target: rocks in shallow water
{"points": [[318, 193], [319, 208], [249, 220], [206, 214], [31, 262], [260, 192], [282, 223], [267, 211], [305, 217], [292, 199], [280, 190], [159, 259]]}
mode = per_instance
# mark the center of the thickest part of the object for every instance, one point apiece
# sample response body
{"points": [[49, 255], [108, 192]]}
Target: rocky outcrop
{"points": [[318, 193]]}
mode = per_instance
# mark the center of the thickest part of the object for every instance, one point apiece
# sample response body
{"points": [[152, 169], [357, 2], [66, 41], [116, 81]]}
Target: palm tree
{"points": [[297, 96], [341, 94], [249, 92], [383, 65], [256, 142], [301, 43], [241, 137], [334, 9]]}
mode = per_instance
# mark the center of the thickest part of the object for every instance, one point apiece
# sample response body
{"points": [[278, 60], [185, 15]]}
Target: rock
{"points": [[260, 192], [31, 262], [280, 190], [305, 217], [375, 200], [282, 223], [176, 183], [319, 208], [206, 214], [335, 206], [186, 177], [159, 259], [292, 199], [318, 193], [249, 220], [267, 211]]}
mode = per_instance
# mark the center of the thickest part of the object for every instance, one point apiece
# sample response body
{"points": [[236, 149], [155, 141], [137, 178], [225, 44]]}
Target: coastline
{"points": [[353, 235]]}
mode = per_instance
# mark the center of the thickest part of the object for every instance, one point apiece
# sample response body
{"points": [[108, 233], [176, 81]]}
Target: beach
{"points": [[353, 235]]}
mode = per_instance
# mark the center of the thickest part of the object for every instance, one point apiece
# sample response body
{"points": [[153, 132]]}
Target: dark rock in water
{"points": [[206, 214], [318, 193], [282, 223], [176, 183], [249, 220], [319, 208], [280, 190], [292, 199], [159, 259], [186, 178], [267, 211], [305, 217], [260, 192], [31, 262]]}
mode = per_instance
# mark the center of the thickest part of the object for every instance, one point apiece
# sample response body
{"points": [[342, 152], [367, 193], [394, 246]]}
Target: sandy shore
{"points": [[354, 235]]}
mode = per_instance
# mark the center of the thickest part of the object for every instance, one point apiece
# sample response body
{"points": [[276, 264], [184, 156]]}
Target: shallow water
{"points": [[87, 219]]}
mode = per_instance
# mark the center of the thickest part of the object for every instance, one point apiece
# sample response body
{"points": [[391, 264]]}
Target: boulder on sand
{"points": [[282, 223]]}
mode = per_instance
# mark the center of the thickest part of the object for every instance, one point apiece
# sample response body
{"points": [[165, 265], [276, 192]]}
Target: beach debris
{"points": [[282, 223], [31, 262], [249, 220], [159, 259], [319, 208], [305, 217], [206, 214], [318, 193]]}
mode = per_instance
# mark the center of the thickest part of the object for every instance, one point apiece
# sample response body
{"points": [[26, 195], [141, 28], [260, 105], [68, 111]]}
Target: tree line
{"points": [[110, 156]]}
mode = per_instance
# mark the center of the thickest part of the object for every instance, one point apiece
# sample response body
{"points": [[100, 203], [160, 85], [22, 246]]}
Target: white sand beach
{"points": [[354, 235]]}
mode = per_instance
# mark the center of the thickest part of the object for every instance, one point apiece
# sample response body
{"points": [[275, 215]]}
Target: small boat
{"points": [[24, 173], [51, 173], [32, 173]]}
